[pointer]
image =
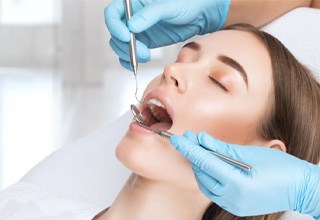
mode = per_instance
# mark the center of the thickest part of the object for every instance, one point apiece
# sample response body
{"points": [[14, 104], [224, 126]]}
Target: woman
{"points": [[239, 85]]}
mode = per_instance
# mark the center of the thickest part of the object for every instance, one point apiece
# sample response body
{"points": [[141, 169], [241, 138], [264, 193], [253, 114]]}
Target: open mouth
{"points": [[156, 115]]}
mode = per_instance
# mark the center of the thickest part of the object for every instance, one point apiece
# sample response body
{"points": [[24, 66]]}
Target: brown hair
{"points": [[294, 115]]}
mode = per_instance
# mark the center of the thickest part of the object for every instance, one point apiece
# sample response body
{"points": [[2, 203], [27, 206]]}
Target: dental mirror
{"points": [[137, 114]]}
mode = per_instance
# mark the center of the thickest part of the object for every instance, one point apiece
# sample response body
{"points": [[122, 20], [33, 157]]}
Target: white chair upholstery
{"points": [[87, 170], [299, 31]]}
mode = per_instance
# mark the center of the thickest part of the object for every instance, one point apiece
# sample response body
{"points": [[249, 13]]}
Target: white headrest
{"points": [[299, 31]]}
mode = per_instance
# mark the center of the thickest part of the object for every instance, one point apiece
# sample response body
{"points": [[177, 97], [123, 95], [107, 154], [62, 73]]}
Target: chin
{"points": [[155, 159], [131, 152]]}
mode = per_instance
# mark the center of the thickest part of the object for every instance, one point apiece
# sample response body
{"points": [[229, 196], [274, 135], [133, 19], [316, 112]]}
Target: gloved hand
{"points": [[161, 22], [277, 181]]}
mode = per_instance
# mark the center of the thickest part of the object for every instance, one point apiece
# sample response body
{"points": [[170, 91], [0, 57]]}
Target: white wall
{"points": [[64, 80], [27, 46], [78, 46], [83, 41]]}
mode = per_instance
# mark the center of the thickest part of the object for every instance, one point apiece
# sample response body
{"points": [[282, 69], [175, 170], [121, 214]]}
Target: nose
{"points": [[175, 75]]}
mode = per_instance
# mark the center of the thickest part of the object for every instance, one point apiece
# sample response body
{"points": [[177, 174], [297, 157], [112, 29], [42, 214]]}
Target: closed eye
{"points": [[217, 83]]}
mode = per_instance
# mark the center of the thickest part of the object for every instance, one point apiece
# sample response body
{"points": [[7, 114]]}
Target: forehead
{"points": [[239, 43]]}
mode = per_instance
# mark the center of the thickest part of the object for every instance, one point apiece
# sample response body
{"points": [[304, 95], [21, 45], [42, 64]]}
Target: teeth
{"points": [[152, 103], [154, 112], [155, 102]]}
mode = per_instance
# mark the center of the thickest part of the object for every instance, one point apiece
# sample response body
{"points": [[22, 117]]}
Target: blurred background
{"points": [[59, 79]]}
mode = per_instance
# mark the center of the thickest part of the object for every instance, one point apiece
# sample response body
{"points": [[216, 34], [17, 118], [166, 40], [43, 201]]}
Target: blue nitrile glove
{"points": [[161, 22], [277, 181]]}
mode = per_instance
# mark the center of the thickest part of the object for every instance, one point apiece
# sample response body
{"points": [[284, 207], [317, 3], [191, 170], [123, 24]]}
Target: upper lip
{"points": [[162, 97]]}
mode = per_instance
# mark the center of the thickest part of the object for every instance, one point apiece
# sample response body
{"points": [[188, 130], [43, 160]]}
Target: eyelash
{"points": [[217, 83]]}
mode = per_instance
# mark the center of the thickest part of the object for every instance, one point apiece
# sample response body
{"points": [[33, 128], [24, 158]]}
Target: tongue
{"points": [[162, 126]]}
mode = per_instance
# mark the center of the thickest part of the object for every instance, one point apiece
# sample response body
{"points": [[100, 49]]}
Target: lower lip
{"points": [[134, 127]]}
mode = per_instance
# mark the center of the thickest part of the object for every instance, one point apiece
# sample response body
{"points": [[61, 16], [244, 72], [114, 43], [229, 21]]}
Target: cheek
{"points": [[155, 159], [223, 119]]}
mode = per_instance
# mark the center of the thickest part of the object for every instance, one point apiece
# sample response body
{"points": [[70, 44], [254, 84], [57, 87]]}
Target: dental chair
{"points": [[85, 175]]}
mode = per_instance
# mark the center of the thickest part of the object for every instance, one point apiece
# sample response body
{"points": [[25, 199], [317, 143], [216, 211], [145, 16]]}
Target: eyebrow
{"points": [[224, 59], [235, 65]]}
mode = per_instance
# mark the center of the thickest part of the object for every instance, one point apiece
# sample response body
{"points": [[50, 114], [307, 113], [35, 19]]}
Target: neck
{"points": [[142, 199]]}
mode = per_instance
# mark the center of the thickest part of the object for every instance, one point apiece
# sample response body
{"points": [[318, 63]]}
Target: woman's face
{"points": [[219, 84]]}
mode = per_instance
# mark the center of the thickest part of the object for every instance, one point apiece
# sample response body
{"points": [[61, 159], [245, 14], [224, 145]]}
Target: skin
{"points": [[162, 185]]}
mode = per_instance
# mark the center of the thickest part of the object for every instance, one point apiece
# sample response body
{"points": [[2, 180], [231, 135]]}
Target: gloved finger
{"points": [[113, 15], [207, 192], [152, 14], [211, 184], [121, 50], [143, 52], [207, 162], [125, 64], [211, 143], [191, 136]]}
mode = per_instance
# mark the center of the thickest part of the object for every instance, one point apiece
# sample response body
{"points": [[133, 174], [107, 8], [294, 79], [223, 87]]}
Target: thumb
{"points": [[231, 151], [150, 15], [203, 159], [191, 136], [213, 144], [193, 152]]}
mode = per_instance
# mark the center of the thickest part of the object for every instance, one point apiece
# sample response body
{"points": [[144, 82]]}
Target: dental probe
{"points": [[139, 119], [132, 44]]}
